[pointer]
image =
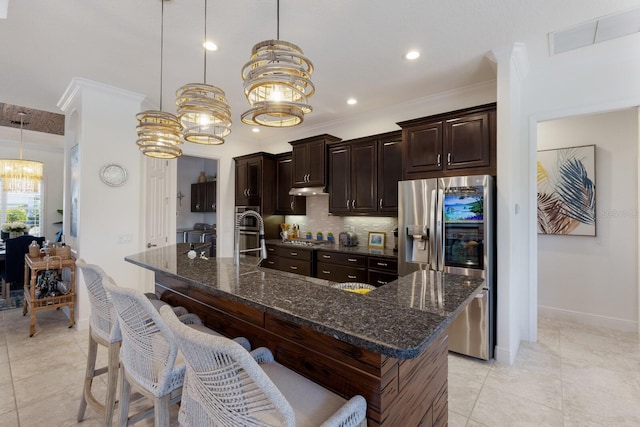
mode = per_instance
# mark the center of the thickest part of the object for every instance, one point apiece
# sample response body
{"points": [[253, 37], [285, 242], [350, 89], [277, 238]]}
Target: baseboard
{"points": [[588, 319], [504, 356]]}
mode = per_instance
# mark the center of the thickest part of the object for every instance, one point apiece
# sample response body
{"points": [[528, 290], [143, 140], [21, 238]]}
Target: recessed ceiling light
{"points": [[412, 55], [255, 130], [210, 46], [352, 101]]}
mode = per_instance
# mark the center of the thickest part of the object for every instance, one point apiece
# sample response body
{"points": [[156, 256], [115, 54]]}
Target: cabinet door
{"points": [[197, 197], [209, 196], [286, 204], [389, 173], [339, 180], [363, 177], [316, 153], [467, 141], [241, 183], [254, 172], [300, 165], [423, 149]]}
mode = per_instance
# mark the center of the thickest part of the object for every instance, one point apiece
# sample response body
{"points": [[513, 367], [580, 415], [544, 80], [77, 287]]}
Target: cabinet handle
{"points": [[353, 204], [448, 158], [291, 205], [381, 282], [380, 203], [351, 276], [348, 204], [326, 256], [438, 159], [293, 267], [270, 249], [352, 260], [326, 272], [306, 177], [382, 264], [197, 206], [293, 253]]}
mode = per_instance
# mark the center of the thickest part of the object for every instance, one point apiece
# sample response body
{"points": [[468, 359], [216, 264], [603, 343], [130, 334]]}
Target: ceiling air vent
{"points": [[596, 31]]}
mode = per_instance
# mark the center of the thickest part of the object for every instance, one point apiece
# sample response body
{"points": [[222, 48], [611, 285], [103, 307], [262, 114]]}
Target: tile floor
{"points": [[574, 376]]}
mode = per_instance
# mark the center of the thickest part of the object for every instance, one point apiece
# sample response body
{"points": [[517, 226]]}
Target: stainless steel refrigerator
{"points": [[448, 224]]}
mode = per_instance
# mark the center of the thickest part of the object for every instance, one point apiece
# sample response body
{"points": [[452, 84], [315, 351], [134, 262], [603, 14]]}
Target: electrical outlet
{"points": [[124, 238]]}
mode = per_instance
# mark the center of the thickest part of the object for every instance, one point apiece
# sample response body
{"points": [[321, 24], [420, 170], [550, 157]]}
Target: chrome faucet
{"points": [[261, 245]]}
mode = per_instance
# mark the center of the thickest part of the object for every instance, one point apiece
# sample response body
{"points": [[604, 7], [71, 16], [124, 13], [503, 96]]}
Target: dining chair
{"points": [[13, 273], [227, 386], [148, 355]]}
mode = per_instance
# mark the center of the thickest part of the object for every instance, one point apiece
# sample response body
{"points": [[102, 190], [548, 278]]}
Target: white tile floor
{"points": [[574, 376]]}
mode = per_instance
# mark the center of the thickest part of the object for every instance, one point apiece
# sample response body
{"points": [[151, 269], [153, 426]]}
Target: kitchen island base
{"points": [[399, 392]]}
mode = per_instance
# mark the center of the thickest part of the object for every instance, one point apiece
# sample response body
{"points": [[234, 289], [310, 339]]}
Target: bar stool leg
{"points": [[112, 371]]}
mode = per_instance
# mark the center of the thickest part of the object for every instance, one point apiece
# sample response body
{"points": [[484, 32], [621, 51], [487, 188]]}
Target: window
{"points": [[22, 207]]}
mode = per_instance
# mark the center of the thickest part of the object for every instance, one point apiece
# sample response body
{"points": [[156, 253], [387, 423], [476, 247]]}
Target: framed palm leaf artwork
{"points": [[567, 191]]}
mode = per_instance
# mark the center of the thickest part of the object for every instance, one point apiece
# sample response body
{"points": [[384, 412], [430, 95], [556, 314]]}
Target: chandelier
{"points": [[203, 110], [158, 131], [277, 83], [18, 175]]}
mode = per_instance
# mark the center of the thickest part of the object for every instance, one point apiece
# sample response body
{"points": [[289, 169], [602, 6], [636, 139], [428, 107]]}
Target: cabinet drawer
{"points": [[341, 258], [272, 250], [297, 266], [301, 254], [378, 278], [341, 273], [271, 262], [384, 264]]}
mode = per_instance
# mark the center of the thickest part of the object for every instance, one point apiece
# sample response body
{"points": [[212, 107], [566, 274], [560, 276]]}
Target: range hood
{"points": [[308, 191]]}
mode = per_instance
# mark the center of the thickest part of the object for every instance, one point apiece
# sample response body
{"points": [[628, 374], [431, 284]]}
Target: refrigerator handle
{"points": [[433, 261], [439, 229]]}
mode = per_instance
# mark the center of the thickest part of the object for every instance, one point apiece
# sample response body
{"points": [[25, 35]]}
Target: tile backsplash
{"points": [[318, 219]]}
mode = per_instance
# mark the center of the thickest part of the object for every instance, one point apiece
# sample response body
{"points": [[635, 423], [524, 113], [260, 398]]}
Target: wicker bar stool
{"points": [[148, 355], [226, 386], [104, 330]]}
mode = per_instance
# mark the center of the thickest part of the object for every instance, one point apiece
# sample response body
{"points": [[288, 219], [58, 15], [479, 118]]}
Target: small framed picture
{"points": [[377, 239]]}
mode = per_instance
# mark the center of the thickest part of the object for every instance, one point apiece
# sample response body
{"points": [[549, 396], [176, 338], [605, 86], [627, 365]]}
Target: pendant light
{"points": [[203, 110], [158, 131], [277, 83], [18, 175]]}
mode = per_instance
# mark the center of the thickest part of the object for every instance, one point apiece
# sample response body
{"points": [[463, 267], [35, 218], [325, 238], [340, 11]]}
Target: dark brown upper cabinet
{"points": [[286, 204], [364, 174], [255, 181], [461, 142], [309, 160], [203, 197]]}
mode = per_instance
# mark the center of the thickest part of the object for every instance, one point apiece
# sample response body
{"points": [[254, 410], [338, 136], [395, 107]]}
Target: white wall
{"points": [[594, 279]]}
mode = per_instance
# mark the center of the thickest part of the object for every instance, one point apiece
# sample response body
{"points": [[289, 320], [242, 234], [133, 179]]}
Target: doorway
{"points": [[601, 270]]}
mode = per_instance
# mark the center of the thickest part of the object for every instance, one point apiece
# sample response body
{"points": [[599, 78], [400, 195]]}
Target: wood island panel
{"points": [[410, 392]]}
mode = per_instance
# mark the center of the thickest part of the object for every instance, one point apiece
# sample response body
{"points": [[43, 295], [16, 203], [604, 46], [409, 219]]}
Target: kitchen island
{"points": [[389, 345]]}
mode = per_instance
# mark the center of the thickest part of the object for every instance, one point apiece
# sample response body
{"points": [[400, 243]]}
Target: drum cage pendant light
{"points": [[203, 110], [18, 175], [159, 132], [277, 83]]}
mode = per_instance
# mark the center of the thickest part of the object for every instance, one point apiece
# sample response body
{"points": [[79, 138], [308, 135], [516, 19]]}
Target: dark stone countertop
{"points": [[334, 247], [398, 320]]}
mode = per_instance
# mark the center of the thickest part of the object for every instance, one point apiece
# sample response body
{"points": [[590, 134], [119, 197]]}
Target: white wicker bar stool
{"points": [[103, 330], [148, 355], [226, 386]]}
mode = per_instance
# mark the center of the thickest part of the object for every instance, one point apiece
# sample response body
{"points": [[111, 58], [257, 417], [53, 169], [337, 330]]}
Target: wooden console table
{"points": [[37, 303]]}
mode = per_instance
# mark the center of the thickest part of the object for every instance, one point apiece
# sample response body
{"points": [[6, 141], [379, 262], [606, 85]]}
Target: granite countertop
{"points": [[334, 247], [398, 320]]}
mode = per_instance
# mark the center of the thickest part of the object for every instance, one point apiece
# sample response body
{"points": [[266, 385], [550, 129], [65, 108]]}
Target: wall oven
{"points": [[249, 229]]}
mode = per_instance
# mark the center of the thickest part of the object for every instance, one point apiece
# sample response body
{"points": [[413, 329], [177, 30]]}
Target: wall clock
{"points": [[113, 175]]}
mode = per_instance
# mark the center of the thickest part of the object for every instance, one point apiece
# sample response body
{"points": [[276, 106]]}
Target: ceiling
{"points": [[356, 47]]}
